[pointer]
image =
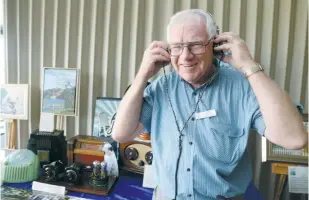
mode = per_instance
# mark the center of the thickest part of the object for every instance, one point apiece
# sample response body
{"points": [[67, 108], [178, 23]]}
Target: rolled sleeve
{"points": [[146, 113]]}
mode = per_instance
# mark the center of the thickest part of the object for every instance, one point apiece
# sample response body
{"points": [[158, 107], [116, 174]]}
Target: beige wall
{"points": [[106, 40]]}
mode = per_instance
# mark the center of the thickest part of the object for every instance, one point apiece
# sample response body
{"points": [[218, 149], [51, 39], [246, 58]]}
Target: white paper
{"points": [[48, 188], [148, 179], [47, 122], [208, 113], [298, 179]]}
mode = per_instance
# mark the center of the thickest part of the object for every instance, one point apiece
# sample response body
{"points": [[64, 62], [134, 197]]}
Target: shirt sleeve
{"points": [[146, 112], [257, 121]]}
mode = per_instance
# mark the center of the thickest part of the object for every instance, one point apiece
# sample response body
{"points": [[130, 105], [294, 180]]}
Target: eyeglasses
{"points": [[194, 47]]}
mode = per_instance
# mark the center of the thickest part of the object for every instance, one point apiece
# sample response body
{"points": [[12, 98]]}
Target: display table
{"points": [[128, 186], [281, 170]]}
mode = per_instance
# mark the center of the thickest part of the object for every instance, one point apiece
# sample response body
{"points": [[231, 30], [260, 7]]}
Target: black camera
{"points": [[53, 171], [73, 174]]}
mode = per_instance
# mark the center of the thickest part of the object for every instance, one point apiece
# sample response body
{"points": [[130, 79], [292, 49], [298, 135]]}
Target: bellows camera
{"points": [[54, 171]]}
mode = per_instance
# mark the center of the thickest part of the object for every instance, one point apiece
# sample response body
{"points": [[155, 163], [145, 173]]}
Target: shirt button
{"points": [[194, 93], [188, 169], [189, 195], [192, 118], [190, 143]]}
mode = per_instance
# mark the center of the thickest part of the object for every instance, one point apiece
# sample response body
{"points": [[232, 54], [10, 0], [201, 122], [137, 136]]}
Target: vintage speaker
{"points": [[48, 146], [134, 155]]}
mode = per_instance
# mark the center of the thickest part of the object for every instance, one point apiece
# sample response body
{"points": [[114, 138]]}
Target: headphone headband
{"points": [[213, 19]]}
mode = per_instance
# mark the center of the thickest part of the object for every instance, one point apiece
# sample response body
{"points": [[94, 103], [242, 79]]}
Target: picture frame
{"points": [[274, 152], [60, 91], [104, 117], [14, 101]]}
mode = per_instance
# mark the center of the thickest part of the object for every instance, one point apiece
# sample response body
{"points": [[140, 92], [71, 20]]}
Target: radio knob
{"points": [[131, 153], [148, 157], [141, 163]]}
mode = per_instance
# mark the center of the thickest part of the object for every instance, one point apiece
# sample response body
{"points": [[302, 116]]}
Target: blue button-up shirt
{"points": [[214, 159]]}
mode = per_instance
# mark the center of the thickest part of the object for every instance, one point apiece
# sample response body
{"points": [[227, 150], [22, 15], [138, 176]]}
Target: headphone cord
{"points": [[180, 131]]}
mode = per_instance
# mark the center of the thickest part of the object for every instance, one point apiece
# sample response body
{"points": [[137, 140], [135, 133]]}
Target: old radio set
{"points": [[134, 155], [48, 146]]}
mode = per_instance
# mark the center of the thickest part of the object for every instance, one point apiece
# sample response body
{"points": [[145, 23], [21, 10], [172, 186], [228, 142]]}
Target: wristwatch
{"points": [[253, 70]]}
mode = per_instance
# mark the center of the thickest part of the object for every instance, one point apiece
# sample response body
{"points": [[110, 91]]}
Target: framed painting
{"points": [[14, 101], [104, 117], [273, 152], [60, 91]]}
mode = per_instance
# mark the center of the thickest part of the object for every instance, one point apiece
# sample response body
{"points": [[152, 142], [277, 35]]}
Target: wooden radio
{"points": [[84, 149], [134, 155]]}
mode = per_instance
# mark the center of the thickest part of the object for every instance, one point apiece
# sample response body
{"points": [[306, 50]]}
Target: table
{"points": [[128, 186], [281, 169]]}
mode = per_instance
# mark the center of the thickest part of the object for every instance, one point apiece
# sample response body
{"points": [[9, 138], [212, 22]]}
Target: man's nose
{"points": [[186, 53]]}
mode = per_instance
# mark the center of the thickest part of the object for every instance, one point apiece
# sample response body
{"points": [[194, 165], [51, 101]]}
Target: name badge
{"points": [[208, 113]]}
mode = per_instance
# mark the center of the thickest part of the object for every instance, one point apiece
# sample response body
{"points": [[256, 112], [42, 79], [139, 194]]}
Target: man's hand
{"points": [[239, 56], [155, 57]]}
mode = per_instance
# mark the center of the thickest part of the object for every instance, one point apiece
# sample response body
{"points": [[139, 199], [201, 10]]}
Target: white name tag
{"points": [[208, 113]]}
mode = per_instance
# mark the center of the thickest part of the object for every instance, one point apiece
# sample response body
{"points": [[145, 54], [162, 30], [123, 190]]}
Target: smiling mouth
{"points": [[189, 65]]}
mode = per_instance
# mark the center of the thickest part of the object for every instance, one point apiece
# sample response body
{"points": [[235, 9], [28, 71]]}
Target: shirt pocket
{"points": [[225, 143]]}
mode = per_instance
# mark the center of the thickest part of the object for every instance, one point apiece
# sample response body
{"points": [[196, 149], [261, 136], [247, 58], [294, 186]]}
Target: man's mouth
{"points": [[191, 65]]}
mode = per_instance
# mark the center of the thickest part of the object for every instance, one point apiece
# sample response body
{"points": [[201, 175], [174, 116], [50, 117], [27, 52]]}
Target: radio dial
{"points": [[141, 163], [148, 157], [131, 153]]}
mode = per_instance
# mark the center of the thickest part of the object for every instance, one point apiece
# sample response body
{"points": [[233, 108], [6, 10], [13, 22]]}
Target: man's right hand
{"points": [[155, 57]]}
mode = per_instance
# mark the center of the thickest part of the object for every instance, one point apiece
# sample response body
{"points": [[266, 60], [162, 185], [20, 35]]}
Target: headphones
{"points": [[217, 33]]}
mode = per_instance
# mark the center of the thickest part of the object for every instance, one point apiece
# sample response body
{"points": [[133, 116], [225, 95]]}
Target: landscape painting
{"points": [[14, 101], [60, 87]]}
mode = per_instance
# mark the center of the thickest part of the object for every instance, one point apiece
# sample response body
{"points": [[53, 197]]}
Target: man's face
{"points": [[189, 66]]}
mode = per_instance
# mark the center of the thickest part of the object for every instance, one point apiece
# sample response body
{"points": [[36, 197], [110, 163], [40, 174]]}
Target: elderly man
{"points": [[201, 113]]}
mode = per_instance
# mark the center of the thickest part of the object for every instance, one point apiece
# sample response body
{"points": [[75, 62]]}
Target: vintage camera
{"points": [[54, 171], [74, 173]]}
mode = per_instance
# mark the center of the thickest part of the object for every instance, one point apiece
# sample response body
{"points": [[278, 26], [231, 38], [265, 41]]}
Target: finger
{"points": [[226, 59], [160, 58], [160, 44], [224, 38], [224, 47], [160, 51], [228, 33]]}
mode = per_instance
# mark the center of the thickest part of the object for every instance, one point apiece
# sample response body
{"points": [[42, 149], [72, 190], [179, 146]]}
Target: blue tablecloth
{"points": [[130, 188], [126, 188]]}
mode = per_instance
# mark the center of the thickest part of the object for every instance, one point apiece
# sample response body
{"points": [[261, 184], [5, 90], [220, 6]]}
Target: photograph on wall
{"points": [[60, 88], [104, 117], [14, 101]]}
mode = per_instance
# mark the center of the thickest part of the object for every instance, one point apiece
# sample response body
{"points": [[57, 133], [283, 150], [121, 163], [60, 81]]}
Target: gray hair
{"points": [[186, 15]]}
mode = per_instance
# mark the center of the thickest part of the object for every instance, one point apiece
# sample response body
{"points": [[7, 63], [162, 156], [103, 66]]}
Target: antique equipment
{"points": [[99, 176], [53, 171], [20, 166], [84, 149], [134, 155], [49, 146], [74, 173]]}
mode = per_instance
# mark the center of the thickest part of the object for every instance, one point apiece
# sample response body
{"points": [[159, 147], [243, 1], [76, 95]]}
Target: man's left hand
{"points": [[236, 51]]}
